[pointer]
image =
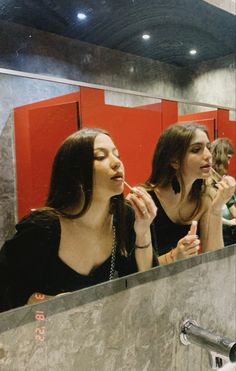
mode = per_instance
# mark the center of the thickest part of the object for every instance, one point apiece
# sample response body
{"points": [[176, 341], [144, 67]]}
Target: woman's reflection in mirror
{"points": [[85, 234], [222, 151], [181, 165]]}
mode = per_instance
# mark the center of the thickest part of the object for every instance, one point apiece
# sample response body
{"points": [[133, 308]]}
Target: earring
{"points": [[175, 184]]}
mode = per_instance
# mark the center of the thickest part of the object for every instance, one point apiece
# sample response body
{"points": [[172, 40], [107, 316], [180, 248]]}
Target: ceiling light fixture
{"points": [[193, 52], [145, 36], [81, 16]]}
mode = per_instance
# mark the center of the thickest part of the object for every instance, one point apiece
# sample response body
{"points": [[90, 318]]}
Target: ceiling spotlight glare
{"points": [[81, 16], [146, 36], [193, 52]]}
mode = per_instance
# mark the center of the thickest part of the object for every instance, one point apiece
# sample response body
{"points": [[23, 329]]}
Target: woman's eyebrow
{"points": [[196, 143], [105, 149], [199, 143], [98, 148]]}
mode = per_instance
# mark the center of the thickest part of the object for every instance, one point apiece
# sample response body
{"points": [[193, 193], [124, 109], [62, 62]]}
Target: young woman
{"points": [[222, 151], [181, 163], [85, 233]]}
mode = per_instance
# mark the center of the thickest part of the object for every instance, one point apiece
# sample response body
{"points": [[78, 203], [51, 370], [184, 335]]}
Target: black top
{"points": [[165, 233], [29, 262]]}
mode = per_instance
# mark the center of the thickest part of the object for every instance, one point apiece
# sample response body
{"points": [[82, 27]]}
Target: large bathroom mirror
{"points": [[153, 83], [125, 115]]}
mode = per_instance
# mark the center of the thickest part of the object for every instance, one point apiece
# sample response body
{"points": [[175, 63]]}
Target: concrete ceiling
{"points": [[174, 26]]}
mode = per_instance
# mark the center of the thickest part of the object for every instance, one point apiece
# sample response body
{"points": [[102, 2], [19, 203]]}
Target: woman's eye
{"points": [[99, 157], [196, 149]]}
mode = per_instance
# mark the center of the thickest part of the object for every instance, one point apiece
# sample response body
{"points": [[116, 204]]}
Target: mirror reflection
{"points": [[85, 234], [135, 124]]}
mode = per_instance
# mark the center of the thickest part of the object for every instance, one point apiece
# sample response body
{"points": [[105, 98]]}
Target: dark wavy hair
{"points": [[172, 146], [221, 148]]}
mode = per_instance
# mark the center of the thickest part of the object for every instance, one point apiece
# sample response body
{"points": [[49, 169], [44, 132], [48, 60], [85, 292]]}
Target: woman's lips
{"points": [[206, 169], [117, 178]]}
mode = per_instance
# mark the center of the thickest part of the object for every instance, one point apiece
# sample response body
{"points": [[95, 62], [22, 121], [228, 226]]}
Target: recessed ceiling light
{"points": [[81, 16], [193, 52], [145, 36]]}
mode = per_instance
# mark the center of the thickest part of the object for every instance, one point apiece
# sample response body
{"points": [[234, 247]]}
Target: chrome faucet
{"points": [[221, 349]]}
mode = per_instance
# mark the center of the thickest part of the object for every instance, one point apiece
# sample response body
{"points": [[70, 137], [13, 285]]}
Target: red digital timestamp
{"points": [[40, 317]]}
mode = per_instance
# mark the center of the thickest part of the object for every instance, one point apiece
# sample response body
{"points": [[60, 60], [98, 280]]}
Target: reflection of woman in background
{"points": [[181, 163], [222, 151], [85, 233]]}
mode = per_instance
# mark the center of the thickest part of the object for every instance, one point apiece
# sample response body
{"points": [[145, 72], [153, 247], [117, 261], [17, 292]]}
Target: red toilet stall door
{"points": [[227, 129], [38, 134], [207, 119], [134, 130], [169, 113], [168, 110]]}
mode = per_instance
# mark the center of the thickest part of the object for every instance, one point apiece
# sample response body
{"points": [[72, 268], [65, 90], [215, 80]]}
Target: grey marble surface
{"points": [[132, 323], [7, 181]]}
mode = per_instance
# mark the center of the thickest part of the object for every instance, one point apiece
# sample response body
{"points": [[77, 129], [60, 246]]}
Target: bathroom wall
{"points": [[130, 324], [214, 82]]}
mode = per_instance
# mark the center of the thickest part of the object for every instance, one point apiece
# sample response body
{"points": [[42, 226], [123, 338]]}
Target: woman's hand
{"points": [[145, 211], [187, 246], [226, 189], [232, 222], [38, 297]]}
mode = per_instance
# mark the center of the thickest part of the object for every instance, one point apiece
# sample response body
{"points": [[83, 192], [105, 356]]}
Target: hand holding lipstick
{"points": [[225, 190], [144, 209], [187, 246]]}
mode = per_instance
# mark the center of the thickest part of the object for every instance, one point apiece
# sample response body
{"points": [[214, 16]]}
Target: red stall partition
{"points": [[39, 130], [227, 129], [135, 130], [168, 110], [208, 119], [169, 113], [41, 127]]}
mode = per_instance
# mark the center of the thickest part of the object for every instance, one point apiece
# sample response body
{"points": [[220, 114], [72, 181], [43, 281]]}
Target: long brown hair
{"points": [[221, 148], [172, 146]]}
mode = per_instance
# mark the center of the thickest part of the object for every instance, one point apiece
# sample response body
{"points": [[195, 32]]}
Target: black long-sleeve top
{"points": [[29, 262]]}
